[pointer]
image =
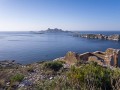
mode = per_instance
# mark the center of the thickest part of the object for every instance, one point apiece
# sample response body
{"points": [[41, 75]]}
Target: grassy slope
{"points": [[45, 76]]}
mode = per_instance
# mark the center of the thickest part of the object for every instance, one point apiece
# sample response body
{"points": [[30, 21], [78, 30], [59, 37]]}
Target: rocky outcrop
{"points": [[115, 37], [94, 36], [9, 64]]}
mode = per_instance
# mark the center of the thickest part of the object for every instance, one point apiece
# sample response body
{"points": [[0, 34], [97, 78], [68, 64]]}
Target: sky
{"points": [[27, 15]]}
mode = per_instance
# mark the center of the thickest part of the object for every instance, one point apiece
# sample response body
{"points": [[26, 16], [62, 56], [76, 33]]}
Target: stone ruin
{"points": [[111, 57], [71, 58]]}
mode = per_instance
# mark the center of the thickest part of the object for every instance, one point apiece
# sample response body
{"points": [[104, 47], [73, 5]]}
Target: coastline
{"points": [[73, 57], [30, 76], [114, 37]]}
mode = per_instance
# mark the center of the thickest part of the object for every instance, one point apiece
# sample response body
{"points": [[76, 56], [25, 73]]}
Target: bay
{"points": [[25, 47]]}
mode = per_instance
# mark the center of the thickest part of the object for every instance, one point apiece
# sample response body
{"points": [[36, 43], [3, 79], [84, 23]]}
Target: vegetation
{"points": [[55, 65], [53, 76], [87, 77], [17, 78]]}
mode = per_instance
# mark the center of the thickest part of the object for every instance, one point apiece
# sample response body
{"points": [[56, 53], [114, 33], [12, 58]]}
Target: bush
{"points": [[90, 75], [54, 65], [87, 77], [17, 78]]}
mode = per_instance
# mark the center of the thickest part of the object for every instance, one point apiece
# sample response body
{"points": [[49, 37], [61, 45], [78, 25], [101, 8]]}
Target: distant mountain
{"points": [[36, 32], [55, 30]]}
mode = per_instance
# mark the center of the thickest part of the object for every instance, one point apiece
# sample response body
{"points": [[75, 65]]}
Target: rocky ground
{"points": [[32, 74], [41, 75]]}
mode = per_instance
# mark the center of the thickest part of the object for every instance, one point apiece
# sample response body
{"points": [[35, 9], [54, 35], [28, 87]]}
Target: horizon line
{"points": [[45, 30]]}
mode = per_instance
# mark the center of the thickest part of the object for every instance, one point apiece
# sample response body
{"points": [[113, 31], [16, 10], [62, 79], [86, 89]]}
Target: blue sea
{"points": [[26, 47]]}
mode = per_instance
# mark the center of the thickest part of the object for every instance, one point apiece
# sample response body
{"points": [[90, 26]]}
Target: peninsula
{"points": [[114, 37]]}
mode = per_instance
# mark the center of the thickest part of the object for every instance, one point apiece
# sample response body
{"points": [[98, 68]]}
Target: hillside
{"points": [[65, 73]]}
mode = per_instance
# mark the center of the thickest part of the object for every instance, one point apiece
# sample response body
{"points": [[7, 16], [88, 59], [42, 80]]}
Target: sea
{"points": [[27, 47]]}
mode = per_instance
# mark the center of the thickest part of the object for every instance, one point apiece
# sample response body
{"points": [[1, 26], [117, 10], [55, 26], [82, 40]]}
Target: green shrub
{"points": [[93, 75], [54, 65], [17, 78], [86, 77]]}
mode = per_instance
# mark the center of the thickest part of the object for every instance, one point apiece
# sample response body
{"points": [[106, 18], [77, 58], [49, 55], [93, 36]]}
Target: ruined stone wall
{"points": [[85, 56], [71, 58], [113, 56]]}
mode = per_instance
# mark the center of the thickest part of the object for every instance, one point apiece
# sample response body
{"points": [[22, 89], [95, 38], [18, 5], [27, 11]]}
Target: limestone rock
{"points": [[113, 56], [85, 56], [71, 57], [95, 59]]}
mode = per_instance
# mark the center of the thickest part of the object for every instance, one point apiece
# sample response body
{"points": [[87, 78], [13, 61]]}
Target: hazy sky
{"points": [[64, 14]]}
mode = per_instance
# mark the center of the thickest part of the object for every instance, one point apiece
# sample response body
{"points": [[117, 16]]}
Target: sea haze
{"points": [[25, 47]]}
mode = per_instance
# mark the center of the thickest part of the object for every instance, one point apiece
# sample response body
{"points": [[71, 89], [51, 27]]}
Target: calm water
{"points": [[25, 47]]}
